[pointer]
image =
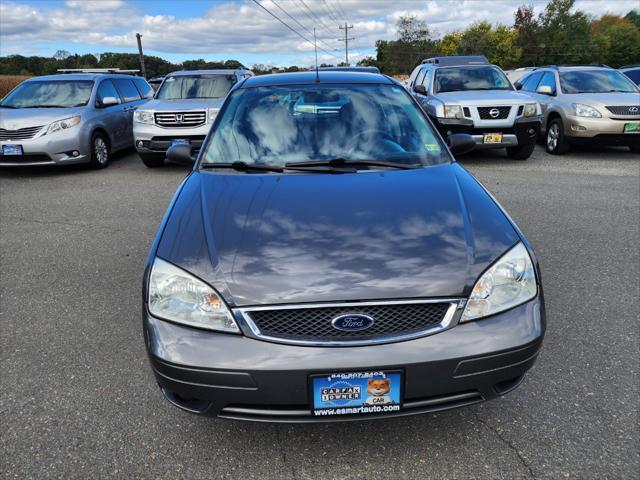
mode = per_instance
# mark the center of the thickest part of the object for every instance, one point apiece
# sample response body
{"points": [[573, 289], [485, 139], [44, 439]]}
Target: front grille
{"points": [[632, 110], [486, 113], [180, 119], [20, 134], [313, 324]]}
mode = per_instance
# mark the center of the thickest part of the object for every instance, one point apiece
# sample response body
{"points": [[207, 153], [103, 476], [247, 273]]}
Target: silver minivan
{"points": [[69, 118]]}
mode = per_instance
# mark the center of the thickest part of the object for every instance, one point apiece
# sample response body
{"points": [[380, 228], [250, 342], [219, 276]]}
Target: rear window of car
{"points": [[143, 87], [127, 89]]}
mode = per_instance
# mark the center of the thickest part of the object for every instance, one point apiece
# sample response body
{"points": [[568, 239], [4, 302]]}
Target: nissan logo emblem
{"points": [[633, 109], [494, 112], [179, 117]]}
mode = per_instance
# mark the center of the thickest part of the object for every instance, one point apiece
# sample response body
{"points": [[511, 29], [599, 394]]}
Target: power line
{"points": [[313, 21], [291, 28], [315, 15], [330, 11], [295, 20], [342, 12]]}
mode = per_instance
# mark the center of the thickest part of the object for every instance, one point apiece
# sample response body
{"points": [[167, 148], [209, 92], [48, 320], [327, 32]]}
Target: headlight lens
{"points": [[508, 283], [452, 111], [178, 296], [212, 113], [143, 116], [586, 111], [63, 124], [530, 109]]}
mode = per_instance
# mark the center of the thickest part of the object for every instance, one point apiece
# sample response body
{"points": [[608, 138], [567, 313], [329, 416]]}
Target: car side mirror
{"points": [[420, 89], [109, 101], [181, 154], [518, 85], [544, 90], [460, 143]]}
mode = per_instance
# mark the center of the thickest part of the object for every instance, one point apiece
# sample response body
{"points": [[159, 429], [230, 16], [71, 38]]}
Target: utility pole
{"points": [[346, 39], [142, 69]]}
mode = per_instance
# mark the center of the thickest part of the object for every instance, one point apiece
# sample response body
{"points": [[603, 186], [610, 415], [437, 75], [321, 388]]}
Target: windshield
{"points": [[470, 78], [595, 81], [276, 125], [195, 86], [53, 93]]}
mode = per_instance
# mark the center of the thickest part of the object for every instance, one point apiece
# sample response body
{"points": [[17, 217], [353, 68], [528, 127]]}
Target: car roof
{"points": [[220, 71], [82, 76], [311, 77]]}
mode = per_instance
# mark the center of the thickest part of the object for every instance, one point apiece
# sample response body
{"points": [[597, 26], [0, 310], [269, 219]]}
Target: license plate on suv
{"points": [[180, 141], [492, 138], [632, 127], [12, 149], [356, 393]]}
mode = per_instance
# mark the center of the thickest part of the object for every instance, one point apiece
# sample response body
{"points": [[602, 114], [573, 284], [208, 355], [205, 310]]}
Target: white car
{"points": [[182, 111]]}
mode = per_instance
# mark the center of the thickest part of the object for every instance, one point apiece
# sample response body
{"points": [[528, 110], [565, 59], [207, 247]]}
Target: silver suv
{"points": [[585, 104], [466, 94], [184, 107], [69, 118]]}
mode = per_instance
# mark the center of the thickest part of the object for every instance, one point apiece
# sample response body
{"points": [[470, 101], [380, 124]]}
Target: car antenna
{"points": [[315, 45]]}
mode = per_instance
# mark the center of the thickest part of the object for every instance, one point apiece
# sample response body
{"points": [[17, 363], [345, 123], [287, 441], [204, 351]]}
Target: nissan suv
{"points": [[585, 104], [182, 111], [70, 118], [466, 94]]}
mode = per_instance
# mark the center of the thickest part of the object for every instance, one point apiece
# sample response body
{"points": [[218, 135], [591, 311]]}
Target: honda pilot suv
{"points": [[182, 111], [466, 94], [585, 104]]}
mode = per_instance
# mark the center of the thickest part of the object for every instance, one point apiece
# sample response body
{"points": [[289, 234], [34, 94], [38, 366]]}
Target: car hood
{"points": [[14, 119], [183, 105], [271, 239], [484, 97]]}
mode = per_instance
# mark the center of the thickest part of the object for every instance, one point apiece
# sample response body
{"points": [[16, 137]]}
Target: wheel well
{"points": [[552, 116], [104, 134]]}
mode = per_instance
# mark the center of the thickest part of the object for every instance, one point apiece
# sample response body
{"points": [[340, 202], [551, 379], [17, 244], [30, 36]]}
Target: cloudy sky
{"points": [[240, 29]]}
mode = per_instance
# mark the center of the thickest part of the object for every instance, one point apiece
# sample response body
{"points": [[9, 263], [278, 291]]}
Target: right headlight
{"points": [[176, 295], [452, 111], [511, 281], [143, 116]]}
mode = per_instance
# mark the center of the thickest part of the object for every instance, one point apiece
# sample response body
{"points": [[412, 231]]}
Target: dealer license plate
{"points": [[492, 138], [12, 149], [180, 141], [356, 393], [632, 127]]}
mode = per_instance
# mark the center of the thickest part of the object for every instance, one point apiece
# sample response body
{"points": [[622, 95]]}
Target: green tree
{"points": [[564, 34], [527, 39], [617, 40]]}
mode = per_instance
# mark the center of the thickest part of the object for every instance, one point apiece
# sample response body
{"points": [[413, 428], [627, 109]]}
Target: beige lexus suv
{"points": [[585, 104]]}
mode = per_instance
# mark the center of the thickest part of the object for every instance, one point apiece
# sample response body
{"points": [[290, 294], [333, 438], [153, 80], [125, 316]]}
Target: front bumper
{"points": [[237, 377], [54, 149], [523, 131], [155, 139], [605, 129]]}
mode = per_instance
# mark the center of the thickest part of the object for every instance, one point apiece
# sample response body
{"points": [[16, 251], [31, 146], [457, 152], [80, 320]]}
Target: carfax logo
{"points": [[340, 393]]}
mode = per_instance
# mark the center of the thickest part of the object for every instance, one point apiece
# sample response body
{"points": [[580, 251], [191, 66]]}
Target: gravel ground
{"points": [[77, 398]]}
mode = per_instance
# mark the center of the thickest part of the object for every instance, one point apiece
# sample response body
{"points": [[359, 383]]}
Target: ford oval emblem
{"points": [[352, 322]]}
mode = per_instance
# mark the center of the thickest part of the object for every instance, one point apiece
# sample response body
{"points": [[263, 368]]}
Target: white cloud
{"points": [[230, 27]]}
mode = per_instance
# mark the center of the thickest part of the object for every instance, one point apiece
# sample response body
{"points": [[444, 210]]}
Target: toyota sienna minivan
{"points": [[327, 259]]}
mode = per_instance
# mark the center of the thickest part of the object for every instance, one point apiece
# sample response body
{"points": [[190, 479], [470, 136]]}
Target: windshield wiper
{"points": [[7, 106], [45, 106], [341, 162], [243, 166]]}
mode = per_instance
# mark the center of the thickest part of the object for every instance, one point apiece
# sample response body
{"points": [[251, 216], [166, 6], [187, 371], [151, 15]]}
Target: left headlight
{"points": [[530, 109], [63, 124], [510, 282], [176, 295], [586, 111], [143, 116]]}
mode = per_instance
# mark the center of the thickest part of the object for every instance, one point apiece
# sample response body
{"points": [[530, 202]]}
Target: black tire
{"points": [[635, 148], [99, 151], [521, 152], [555, 142], [152, 160]]}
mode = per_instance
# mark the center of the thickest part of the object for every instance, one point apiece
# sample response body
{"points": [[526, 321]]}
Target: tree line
{"points": [[559, 35]]}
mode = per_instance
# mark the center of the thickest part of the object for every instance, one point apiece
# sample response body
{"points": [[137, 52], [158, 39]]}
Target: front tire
{"points": [[151, 160], [521, 152], [99, 151], [556, 143]]}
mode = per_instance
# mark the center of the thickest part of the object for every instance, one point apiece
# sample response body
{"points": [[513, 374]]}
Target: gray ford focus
{"points": [[327, 259]]}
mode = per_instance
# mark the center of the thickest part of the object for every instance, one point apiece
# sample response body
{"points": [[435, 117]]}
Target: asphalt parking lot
{"points": [[78, 400]]}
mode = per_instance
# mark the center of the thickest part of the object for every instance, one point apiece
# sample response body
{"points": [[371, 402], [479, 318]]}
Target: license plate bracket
{"points": [[12, 150], [492, 138], [356, 393]]}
